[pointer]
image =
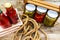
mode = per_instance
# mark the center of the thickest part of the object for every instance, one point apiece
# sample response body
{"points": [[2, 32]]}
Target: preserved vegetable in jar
{"points": [[11, 13], [4, 21], [50, 18], [40, 14], [30, 10]]}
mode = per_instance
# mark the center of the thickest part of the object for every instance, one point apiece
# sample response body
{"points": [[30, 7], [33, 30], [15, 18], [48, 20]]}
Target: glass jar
{"points": [[40, 14], [11, 13], [50, 18], [4, 21], [30, 10]]}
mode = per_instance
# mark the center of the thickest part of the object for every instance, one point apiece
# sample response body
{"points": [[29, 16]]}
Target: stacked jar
{"points": [[50, 18], [40, 14], [30, 10]]}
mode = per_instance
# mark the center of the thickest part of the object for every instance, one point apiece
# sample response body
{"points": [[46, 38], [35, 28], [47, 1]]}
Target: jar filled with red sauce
{"points": [[11, 13], [40, 14], [4, 21]]}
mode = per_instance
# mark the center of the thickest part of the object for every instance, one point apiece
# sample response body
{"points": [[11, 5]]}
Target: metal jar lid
{"points": [[30, 7], [7, 5], [52, 14], [41, 9]]}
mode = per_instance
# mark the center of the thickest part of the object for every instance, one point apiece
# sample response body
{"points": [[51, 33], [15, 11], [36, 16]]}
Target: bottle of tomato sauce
{"points": [[40, 14], [4, 21], [11, 13]]}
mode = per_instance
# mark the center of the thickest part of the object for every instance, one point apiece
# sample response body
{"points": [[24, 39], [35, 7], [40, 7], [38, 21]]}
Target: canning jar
{"points": [[40, 14], [11, 13], [30, 10], [50, 18]]}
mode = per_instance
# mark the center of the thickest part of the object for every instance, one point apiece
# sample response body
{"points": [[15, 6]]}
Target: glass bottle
{"points": [[4, 21], [11, 13]]}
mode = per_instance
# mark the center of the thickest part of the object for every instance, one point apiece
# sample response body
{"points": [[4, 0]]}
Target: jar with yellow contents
{"points": [[30, 10], [50, 18]]}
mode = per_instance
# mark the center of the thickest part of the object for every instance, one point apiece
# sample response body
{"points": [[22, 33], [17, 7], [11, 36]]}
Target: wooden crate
{"points": [[44, 4], [13, 28]]}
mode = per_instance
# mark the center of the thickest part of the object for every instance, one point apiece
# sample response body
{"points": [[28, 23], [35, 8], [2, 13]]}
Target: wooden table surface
{"points": [[53, 32]]}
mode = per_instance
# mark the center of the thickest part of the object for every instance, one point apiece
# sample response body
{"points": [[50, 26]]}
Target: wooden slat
{"points": [[46, 3], [25, 1], [59, 8]]}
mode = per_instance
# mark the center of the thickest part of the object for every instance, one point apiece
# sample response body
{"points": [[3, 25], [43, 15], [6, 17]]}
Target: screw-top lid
{"points": [[30, 7], [7, 5], [41, 9], [52, 14], [0, 11]]}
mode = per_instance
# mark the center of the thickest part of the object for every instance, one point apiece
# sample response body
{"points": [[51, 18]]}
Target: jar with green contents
{"points": [[30, 10], [50, 18]]}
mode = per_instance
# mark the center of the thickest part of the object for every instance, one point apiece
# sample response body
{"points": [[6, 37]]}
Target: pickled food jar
{"points": [[50, 18], [40, 14], [30, 10]]}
